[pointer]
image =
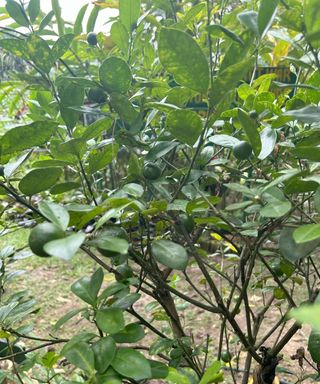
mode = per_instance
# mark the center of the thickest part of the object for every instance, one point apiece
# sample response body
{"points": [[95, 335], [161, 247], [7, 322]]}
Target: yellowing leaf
{"points": [[216, 236]]}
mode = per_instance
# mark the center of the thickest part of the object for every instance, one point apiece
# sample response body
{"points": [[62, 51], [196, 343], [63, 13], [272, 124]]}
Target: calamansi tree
{"points": [[181, 153]]}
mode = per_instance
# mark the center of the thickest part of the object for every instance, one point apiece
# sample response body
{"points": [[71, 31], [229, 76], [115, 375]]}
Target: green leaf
{"points": [[55, 213], [127, 301], [309, 314], [18, 14], [112, 244], [100, 158], [314, 345], [159, 370], [129, 13], [184, 125], [120, 36], [275, 209], [124, 108], [177, 377], [250, 128], [26, 136], [306, 233], [266, 15], [39, 180], [97, 128], [132, 364], [66, 317], [250, 20], [93, 19], [308, 115], [132, 333], [77, 29], [57, 12], [46, 20], [11, 167], [212, 29], [161, 148], [80, 355], [33, 9], [87, 288], [193, 12], [65, 248], [228, 79], [170, 254], [15, 46], [181, 56], [224, 140], [312, 21], [268, 139], [71, 95], [64, 187], [104, 352], [40, 53], [61, 46], [115, 75], [110, 320], [212, 374], [293, 251]]}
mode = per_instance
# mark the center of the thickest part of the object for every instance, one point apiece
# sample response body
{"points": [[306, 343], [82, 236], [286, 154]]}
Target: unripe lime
{"points": [[151, 171], [276, 268], [92, 38], [186, 221], [242, 150], [226, 356], [42, 234], [97, 95]]}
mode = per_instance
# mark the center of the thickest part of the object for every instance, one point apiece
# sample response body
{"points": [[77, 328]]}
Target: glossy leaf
{"points": [[184, 125], [250, 20], [39, 180], [77, 29], [80, 355], [61, 46], [131, 363], [40, 53], [312, 21], [55, 213], [227, 32], [71, 95], [129, 13], [266, 15], [212, 374], [306, 233], [99, 159], [228, 79], [293, 251], [314, 345], [250, 128], [268, 139], [92, 19], [33, 9], [308, 115], [132, 333], [308, 314], [87, 288], [66, 317], [110, 320], [17, 12], [26, 136], [183, 58], [120, 36], [104, 352], [170, 254], [115, 75], [224, 140], [65, 248]]}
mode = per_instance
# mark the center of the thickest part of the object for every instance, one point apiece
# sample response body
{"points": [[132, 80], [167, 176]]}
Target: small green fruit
{"points": [[186, 221], [242, 150], [97, 95], [92, 38], [41, 235], [276, 268], [226, 356], [151, 171]]}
